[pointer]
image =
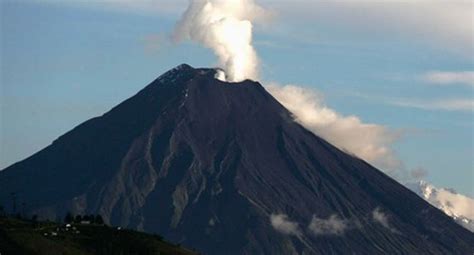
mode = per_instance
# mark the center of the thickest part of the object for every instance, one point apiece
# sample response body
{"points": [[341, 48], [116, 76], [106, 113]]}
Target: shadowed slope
{"points": [[206, 163]]}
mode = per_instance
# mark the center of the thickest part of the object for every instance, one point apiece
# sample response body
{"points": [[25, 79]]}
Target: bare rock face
{"points": [[222, 167]]}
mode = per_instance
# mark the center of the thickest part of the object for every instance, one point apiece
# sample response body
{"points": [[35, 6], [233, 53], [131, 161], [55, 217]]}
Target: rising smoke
{"points": [[226, 27]]}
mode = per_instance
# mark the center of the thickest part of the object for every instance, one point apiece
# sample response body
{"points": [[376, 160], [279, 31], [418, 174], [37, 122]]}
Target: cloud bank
{"points": [[449, 78], [457, 104], [434, 22], [439, 23], [370, 142], [225, 26]]}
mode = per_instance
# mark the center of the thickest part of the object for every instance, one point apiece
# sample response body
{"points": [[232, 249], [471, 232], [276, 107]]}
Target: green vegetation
{"points": [[30, 237]]}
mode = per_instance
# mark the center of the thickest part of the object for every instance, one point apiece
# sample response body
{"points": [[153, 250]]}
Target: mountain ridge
{"points": [[207, 163]]}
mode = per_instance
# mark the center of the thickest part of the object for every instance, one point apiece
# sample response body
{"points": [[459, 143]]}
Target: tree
{"points": [[2, 211], [98, 219], [86, 218], [68, 218], [13, 196], [78, 219], [34, 219]]}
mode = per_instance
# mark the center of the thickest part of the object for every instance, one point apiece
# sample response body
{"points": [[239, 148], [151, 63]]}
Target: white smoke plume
{"points": [[226, 27], [330, 226], [282, 224], [370, 142]]}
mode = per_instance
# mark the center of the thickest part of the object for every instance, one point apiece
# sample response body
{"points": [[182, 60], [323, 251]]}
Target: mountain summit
{"points": [[224, 168]]}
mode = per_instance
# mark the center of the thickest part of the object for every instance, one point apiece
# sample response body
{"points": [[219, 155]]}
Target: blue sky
{"points": [[64, 63]]}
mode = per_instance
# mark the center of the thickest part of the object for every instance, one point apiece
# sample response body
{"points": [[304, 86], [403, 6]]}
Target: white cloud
{"points": [[455, 205], [449, 201], [330, 226], [147, 7], [282, 224], [440, 104], [439, 22], [448, 78], [445, 104], [370, 142], [447, 24], [382, 218]]}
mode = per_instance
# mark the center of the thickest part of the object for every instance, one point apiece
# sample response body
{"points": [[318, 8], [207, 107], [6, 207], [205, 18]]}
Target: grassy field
{"points": [[19, 237]]}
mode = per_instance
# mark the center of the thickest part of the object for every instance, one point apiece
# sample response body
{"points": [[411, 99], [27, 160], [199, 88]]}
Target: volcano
{"points": [[224, 168]]}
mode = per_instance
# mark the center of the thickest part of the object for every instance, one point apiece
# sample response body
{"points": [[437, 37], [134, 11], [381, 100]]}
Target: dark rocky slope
{"points": [[206, 163]]}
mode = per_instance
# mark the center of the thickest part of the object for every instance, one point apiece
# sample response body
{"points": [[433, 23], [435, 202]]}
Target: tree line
{"points": [[69, 218], [92, 219]]}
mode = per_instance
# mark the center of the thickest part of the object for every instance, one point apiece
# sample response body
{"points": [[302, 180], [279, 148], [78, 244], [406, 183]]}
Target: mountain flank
{"points": [[224, 168]]}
